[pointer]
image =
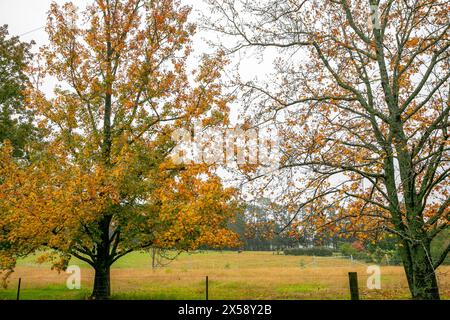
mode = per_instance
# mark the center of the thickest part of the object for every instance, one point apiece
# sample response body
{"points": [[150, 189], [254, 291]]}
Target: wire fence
{"points": [[298, 278]]}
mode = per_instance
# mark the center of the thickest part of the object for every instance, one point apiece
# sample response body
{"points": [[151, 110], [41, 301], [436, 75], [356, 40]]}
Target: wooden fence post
{"points": [[207, 288], [18, 288], [353, 281]]}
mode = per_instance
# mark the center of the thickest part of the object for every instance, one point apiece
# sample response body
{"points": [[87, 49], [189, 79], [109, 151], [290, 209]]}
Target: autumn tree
{"points": [[17, 129], [106, 185], [15, 121], [360, 94]]}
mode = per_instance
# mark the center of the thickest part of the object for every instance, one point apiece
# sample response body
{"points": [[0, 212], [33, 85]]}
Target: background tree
{"points": [[15, 121], [360, 93], [106, 185], [263, 226], [17, 130]]}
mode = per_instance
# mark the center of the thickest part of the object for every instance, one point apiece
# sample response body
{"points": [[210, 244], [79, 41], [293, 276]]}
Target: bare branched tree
{"points": [[360, 93]]}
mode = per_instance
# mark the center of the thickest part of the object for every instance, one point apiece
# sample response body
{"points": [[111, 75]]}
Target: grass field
{"points": [[246, 275]]}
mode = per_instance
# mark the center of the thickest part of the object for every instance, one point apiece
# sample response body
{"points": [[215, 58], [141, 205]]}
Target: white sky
{"points": [[28, 18], [25, 15]]}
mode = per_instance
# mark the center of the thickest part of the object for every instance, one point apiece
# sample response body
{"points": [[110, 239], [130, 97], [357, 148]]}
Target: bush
{"points": [[373, 254], [349, 249], [313, 251]]}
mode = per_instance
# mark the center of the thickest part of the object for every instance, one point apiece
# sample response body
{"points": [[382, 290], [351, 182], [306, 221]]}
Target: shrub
{"points": [[355, 251], [347, 249], [358, 246], [373, 254]]}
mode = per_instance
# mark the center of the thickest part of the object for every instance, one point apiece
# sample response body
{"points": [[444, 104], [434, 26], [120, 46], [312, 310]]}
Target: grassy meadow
{"points": [[233, 275]]}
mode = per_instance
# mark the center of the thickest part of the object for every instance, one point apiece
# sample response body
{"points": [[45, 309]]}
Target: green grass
{"points": [[304, 287], [134, 259], [247, 275], [51, 292]]}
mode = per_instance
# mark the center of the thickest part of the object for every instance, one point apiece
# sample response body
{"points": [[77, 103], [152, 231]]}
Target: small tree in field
{"points": [[361, 98], [106, 185]]}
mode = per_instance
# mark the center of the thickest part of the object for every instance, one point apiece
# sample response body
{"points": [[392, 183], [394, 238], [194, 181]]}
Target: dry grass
{"points": [[247, 275]]}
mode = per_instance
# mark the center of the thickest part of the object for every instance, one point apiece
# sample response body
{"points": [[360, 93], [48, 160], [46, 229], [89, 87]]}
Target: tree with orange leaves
{"points": [[361, 99], [106, 184]]}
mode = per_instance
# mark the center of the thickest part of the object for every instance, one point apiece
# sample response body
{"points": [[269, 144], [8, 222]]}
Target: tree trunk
{"points": [[420, 273], [154, 262], [102, 283], [102, 266], [425, 281]]}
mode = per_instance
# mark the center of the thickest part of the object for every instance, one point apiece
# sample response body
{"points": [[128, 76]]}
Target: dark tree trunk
{"points": [[420, 273], [425, 281], [102, 283], [103, 260]]}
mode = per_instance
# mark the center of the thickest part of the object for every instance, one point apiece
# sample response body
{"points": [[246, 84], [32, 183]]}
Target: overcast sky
{"points": [[27, 18], [23, 16]]}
